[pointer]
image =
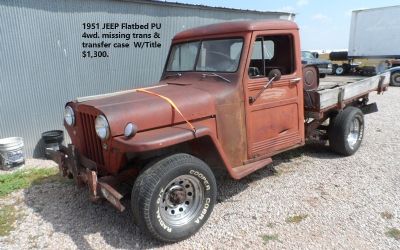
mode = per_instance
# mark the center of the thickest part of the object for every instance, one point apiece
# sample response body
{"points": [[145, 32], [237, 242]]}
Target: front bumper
{"points": [[84, 172], [325, 70]]}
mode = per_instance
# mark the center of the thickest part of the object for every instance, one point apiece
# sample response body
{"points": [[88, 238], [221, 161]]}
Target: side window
{"points": [[183, 57], [272, 52]]}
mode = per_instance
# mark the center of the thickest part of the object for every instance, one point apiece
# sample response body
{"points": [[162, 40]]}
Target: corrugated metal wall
{"points": [[41, 67]]}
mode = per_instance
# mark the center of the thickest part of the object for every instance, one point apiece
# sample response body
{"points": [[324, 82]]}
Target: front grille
{"points": [[92, 143], [323, 66]]}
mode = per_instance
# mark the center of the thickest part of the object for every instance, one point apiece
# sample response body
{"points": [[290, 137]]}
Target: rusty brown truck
{"points": [[231, 96]]}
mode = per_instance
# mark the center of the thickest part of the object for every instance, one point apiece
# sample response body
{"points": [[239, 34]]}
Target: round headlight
{"points": [[102, 127], [130, 130], [329, 65], [69, 116]]}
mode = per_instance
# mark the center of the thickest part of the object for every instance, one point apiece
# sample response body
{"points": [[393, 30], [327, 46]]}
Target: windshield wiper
{"points": [[216, 75], [173, 75]]}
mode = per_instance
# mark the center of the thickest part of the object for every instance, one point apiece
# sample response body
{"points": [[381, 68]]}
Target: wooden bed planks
{"points": [[330, 96]]}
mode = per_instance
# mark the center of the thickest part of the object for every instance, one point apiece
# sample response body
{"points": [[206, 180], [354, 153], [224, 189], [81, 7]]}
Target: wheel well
{"points": [[202, 148], [394, 72]]}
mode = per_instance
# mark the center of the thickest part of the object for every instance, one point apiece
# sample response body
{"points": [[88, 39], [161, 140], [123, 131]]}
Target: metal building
{"points": [[42, 67]]}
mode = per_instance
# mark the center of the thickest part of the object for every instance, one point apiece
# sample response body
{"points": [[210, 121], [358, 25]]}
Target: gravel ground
{"points": [[340, 203]]}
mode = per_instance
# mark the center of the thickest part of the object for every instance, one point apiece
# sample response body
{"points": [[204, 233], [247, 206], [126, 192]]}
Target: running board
{"points": [[249, 168]]}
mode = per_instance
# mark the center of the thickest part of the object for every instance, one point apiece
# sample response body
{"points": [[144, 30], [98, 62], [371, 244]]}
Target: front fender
{"points": [[159, 138], [169, 136]]}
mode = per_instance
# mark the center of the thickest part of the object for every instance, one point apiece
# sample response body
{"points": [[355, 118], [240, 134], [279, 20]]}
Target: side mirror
{"points": [[274, 75]]}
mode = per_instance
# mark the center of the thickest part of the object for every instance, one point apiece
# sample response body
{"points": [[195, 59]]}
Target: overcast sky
{"points": [[323, 24]]}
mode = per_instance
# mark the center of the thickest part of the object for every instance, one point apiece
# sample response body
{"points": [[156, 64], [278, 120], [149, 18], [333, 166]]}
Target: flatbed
{"points": [[335, 92]]}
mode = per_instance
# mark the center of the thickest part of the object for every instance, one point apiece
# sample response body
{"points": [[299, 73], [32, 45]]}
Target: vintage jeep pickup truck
{"points": [[231, 96]]}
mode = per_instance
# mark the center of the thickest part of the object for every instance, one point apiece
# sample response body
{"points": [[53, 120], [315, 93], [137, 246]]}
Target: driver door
{"points": [[275, 121]]}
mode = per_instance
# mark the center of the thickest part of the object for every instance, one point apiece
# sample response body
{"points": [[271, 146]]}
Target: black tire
{"points": [[334, 66], [165, 183], [395, 79], [340, 127], [322, 75], [53, 136]]}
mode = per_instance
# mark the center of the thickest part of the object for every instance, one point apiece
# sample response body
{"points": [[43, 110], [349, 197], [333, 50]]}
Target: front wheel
{"points": [[339, 70], [395, 79], [346, 131], [173, 198]]}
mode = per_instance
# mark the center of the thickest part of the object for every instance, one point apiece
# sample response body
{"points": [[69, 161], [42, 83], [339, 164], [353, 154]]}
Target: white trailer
{"points": [[375, 33]]}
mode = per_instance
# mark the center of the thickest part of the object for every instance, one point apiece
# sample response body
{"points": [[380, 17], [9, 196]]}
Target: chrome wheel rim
{"points": [[355, 133], [182, 200], [339, 70], [396, 79]]}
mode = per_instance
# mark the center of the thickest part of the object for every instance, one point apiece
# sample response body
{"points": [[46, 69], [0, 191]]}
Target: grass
{"points": [[270, 225], [269, 237], [393, 233], [11, 182], [387, 215], [25, 178], [8, 216], [296, 218]]}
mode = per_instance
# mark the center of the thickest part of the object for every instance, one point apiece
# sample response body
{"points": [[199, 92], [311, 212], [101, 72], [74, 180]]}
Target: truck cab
{"points": [[230, 97]]}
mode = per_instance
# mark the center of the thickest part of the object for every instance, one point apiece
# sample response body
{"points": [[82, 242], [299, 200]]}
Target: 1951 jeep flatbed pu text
{"points": [[231, 95]]}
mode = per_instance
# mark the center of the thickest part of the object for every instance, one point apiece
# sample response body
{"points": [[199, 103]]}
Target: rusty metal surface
{"points": [[69, 164], [234, 27], [249, 168], [161, 138], [245, 134], [110, 194], [275, 121], [44, 58], [240, 132], [149, 112]]}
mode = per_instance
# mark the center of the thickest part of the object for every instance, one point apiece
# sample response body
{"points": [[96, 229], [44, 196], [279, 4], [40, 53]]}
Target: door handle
{"points": [[295, 80]]}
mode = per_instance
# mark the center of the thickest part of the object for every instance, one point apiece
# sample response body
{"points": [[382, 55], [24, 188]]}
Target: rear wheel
{"points": [[346, 131], [174, 197], [395, 79]]}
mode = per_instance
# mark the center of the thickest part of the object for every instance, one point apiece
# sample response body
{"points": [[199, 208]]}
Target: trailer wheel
{"points": [[339, 70], [346, 131], [395, 79], [173, 198]]}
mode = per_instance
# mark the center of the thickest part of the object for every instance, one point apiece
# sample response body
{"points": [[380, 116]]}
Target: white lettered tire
{"points": [[395, 79], [173, 198]]}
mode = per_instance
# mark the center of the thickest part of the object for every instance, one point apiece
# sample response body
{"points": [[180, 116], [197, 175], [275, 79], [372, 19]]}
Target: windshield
{"points": [[208, 55], [306, 54]]}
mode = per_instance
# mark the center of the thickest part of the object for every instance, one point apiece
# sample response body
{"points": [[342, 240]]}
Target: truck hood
{"points": [[148, 111]]}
